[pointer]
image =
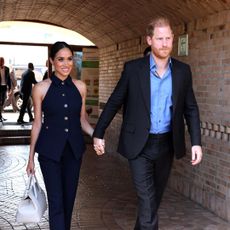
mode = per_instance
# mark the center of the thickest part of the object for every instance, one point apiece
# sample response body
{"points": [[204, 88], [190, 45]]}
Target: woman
{"points": [[58, 140], [11, 99]]}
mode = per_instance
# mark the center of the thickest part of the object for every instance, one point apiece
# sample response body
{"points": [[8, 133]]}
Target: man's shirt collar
{"points": [[153, 64]]}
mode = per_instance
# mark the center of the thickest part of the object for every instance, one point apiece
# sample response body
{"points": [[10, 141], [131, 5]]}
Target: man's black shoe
{"points": [[2, 119], [21, 122]]}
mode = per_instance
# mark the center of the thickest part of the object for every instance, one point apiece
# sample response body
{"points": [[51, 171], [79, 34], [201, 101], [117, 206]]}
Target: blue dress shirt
{"points": [[161, 99]]}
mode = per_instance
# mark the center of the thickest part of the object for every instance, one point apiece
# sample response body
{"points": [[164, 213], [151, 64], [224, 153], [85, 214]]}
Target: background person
{"points": [[46, 74], [27, 81], [5, 85], [147, 51], [59, 140], [10, 98], [158, 93]]}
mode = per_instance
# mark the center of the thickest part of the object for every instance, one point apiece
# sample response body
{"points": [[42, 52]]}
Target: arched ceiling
{"points": [[106, 22]]}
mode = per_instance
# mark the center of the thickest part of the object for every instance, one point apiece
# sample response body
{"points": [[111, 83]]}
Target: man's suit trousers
{"points": [[150, 172], [25, 106]]}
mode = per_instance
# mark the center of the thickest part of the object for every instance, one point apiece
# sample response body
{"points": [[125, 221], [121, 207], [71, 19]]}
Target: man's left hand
{"points": [[196, 154]]}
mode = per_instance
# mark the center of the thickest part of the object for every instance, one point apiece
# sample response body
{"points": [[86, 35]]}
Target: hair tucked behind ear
{"points": [[58, 46]]}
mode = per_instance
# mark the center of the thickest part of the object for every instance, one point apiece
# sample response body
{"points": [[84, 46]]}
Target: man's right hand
{"points": [[99, 145]]}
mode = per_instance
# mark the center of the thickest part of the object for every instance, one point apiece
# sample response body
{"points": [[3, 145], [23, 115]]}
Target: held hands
{"points": [[99, 145], [196, 154]]}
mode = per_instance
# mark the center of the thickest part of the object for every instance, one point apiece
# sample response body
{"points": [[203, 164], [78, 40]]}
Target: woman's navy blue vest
{"points": [[61, 124]]}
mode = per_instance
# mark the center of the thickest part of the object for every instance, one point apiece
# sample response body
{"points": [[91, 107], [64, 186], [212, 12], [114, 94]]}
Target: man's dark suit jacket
{"points": [[133, 89], [28, 79], [7, 77]]}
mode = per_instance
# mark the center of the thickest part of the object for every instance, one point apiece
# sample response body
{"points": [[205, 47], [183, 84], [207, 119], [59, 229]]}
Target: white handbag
{"points": [[33, 205]]}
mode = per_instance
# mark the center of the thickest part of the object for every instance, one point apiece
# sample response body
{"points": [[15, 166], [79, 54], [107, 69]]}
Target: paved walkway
{"points": [[105, 200]]}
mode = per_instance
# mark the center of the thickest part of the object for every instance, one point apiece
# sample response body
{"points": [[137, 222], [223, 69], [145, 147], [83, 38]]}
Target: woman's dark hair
{"points": [[58, 46]]}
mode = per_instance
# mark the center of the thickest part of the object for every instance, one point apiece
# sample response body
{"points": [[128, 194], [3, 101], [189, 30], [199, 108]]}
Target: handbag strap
{"points": [[31, 182], [36, 180]]}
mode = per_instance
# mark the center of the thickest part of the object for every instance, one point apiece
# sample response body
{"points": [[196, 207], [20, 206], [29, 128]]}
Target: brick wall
{"points": [[209, 57]]}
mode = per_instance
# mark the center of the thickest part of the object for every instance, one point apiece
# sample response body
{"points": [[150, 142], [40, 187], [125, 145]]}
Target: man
{"points": [[158, 93], [147, 51], [46, 74], [10, 97], [5, 84], [28, 79]]}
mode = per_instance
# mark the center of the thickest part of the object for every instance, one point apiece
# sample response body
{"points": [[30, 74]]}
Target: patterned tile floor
{"points": [[105, 199]]}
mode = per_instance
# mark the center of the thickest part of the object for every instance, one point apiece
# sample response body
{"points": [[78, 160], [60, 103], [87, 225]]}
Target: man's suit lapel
{"points": [[144, 80], [175, 83]]}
